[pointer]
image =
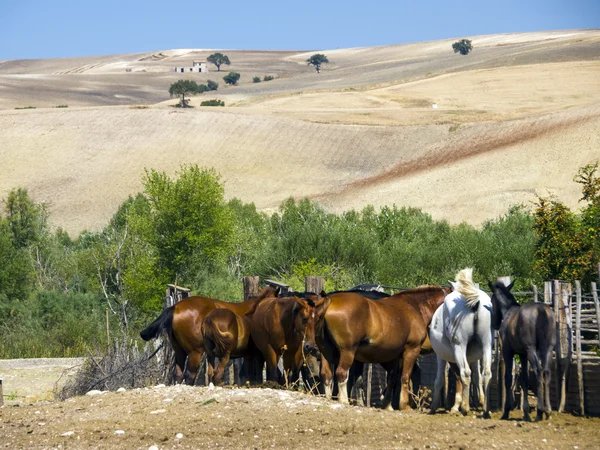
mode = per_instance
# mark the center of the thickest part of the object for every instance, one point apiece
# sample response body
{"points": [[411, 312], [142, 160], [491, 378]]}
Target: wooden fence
{"points": [[576, 365]]}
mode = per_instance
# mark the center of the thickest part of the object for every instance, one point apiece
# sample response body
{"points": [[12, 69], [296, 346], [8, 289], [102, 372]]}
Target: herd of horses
{"points": [[347, 329]]}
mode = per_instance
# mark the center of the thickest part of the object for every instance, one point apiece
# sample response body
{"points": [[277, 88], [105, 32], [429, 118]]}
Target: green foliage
{"points": [[567, 243], [182, 88], [53, 324], [202, 88], [26, 107], [213, 102], [62, 106], [25, 219], [218, 59], [268, 78], [212, 85], [16, 271], [463, 46], [317, 60], [231, 78], [190, 224], [256, 79]]}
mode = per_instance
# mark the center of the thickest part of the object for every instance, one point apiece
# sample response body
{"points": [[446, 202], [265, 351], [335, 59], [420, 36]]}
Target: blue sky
{"points": [[63, 28]]}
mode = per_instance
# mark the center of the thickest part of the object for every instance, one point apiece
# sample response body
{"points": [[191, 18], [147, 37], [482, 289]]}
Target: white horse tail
{"points": [[464, 284]]}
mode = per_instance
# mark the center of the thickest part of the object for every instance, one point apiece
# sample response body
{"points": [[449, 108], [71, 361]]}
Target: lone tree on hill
{"points": [[463, 46], [231, 78], [218, 59], [181, 88], [316, 60]]}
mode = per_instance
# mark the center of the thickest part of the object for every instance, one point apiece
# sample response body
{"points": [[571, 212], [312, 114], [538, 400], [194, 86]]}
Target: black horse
{"points": [[530, 332]]}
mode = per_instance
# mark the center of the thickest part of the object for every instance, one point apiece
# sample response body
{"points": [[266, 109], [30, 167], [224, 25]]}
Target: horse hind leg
{"points": [[524, 379], [485, 377], [460, 356], [438, 386]]}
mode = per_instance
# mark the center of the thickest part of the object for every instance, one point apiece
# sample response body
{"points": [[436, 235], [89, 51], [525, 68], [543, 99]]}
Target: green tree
{"points": [[317, 60], [182, 88], [231, 78], [256, 79], [218, 59], [463, 46], [189, 222], [212, 85], [25, 219]]}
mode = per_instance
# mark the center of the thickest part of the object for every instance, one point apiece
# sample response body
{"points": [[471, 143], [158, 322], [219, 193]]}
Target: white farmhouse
{"points": [[197, 66]]}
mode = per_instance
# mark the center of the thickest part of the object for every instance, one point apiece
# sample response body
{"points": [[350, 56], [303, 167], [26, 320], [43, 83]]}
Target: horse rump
{"points": [[164, 322]]}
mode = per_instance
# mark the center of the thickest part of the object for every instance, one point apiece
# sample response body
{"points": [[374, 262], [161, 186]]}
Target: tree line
{"points": [[56, 290]]}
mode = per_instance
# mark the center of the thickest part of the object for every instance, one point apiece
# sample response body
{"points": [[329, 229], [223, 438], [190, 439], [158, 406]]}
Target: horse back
{"points": [[531, 325]]}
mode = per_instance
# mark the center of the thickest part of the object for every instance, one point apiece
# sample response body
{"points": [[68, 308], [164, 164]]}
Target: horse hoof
{"points": [[464, 412], [431, 412], [454, 411], [487, 415]]}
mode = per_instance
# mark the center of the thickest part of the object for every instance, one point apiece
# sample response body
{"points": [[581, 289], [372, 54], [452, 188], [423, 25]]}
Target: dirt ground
{"points": [[198, 417]]}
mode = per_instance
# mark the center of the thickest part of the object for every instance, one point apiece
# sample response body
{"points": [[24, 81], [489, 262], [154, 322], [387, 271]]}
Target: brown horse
{"points": [[226, 335], [183, 324], [389, 331], [285, 327]]}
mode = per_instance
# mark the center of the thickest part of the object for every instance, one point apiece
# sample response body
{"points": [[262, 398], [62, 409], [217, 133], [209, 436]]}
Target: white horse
{"points": [[461, 332]]}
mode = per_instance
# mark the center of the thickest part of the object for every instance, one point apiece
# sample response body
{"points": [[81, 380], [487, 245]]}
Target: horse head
{"points": [[307, 312], [502, 301]]}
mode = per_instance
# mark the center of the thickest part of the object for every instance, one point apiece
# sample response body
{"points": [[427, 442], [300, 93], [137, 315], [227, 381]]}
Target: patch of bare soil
{"points": [[26, 380], [192, 417]]}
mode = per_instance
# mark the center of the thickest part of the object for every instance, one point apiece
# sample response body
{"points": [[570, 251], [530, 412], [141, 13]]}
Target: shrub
{"points": [[213, 102], [212, 85], [268, 78], [26, 107], [202, 88], [62, 106], [256, 80], [231, 78]]}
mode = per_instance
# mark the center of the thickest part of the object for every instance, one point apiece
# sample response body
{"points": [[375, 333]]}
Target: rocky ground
{"points": [[199, 417]]}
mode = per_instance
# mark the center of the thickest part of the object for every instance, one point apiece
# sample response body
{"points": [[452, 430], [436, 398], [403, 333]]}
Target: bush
{"points": [[268, 78], [121, 366], [212, 85], [256, 80], [62, 106], [463, 46], [213, 102], [231, 78], [26, 107], [202, 88]]}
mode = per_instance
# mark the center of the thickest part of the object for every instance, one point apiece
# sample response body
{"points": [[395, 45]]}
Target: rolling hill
{"points": [[515, 118]]}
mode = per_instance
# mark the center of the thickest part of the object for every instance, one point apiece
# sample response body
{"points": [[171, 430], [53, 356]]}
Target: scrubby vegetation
{"points": [[213, 102], [231, 78], [56, 290]]}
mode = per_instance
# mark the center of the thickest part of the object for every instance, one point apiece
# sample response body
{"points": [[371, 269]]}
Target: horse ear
{"points": [[323, 293], [510, 286], [277, 291], [492, 288]]}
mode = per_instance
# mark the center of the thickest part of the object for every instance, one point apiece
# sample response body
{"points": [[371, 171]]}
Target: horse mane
{"points": [[465, 286], [499, 286]]}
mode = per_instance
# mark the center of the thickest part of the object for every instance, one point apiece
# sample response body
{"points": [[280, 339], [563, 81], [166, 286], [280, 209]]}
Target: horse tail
{"points": [[221, 339], [464, 284], [164, 322]]}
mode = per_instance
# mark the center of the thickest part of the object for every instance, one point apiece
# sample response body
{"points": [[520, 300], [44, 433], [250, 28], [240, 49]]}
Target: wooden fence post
{"points": [[578, 347], [314, 284], [1, 394], [565, 339], [535, 293], [369, 382], [597, 306], [250, 287], [548, 292]]}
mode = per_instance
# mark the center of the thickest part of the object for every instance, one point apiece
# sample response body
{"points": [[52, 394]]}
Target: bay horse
{"points": [[461, 333], [183, 324], [529, 331], [389, 331], [226, 335], [284, 327]]}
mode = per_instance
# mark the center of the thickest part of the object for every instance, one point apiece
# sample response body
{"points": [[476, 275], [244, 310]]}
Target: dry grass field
{"points": [[515, 118]]}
